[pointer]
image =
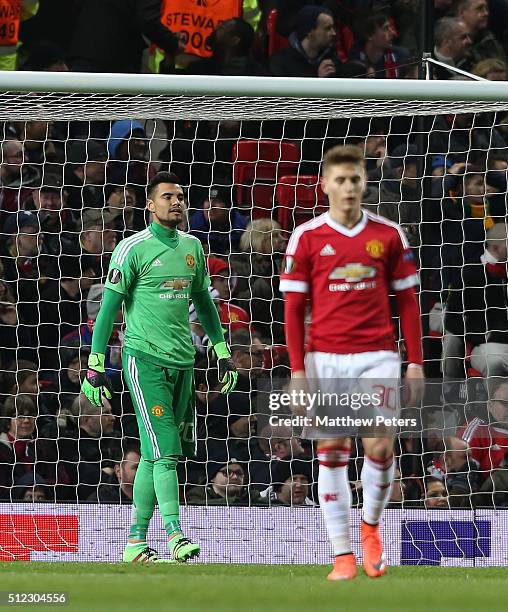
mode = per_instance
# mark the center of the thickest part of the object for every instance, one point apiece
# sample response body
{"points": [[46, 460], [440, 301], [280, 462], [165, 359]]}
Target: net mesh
{"points": [[78, 166], [52, 106]]}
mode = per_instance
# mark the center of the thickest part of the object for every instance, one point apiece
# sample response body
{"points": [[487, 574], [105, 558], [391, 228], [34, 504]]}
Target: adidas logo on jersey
{"points": [[327, 250], [156, 263]]}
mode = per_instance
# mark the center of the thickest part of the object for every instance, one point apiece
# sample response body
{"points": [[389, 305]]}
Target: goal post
{"points": [[77, 152]]}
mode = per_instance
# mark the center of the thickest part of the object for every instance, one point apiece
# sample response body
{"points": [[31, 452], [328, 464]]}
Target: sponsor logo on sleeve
{"points": [[115, 276]]}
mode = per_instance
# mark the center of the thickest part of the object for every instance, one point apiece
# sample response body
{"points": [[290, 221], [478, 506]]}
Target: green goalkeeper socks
{"points": [[166, 488], [144, 500]]}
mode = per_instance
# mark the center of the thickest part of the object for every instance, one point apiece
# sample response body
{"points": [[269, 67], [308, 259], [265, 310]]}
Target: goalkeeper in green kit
{"points": [[154, 273]]}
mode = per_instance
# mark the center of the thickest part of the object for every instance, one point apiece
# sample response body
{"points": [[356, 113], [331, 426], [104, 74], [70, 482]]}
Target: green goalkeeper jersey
{"points": [[157, 270]]}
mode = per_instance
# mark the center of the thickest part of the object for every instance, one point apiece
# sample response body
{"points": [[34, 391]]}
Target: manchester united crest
{"points": [[375, 248], [191, 262], [157, 411]]}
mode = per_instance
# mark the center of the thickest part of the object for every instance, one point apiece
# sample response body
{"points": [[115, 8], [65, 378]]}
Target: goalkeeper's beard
{"points": [[170, 223]]}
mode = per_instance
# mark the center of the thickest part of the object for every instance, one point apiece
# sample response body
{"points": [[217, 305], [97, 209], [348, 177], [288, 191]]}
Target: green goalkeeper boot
{"points": [[182, 549], [141, 553]]}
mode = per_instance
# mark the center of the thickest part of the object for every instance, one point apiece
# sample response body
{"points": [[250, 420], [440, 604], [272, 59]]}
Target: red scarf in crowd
{"points": [[21, 449], [391, 65]]}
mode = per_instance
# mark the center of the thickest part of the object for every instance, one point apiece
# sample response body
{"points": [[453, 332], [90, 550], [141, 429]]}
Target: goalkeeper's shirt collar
{"points": [[169, 237]]}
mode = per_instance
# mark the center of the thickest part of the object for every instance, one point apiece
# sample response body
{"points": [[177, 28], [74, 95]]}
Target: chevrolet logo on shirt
{"points": [[177, 284], [353, 272]]}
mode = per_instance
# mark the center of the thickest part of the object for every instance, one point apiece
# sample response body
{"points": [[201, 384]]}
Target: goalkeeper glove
{"points": [[227, 370], [96, 383]]}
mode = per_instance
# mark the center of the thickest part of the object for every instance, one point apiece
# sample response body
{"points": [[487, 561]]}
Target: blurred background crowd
{"points": [[70, 191]]}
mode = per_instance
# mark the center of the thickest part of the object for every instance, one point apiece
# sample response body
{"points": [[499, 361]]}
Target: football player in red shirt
{"points": [[347, 262]]}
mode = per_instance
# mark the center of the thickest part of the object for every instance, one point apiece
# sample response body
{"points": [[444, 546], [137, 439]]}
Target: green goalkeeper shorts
{"points": [[163, 399]]}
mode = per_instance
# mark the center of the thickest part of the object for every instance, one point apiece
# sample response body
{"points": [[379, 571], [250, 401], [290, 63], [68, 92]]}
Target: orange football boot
{"points": [[344, 568], [374, 562]]}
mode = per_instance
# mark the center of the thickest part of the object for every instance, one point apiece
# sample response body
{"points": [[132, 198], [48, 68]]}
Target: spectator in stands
{"points": [[21, 454], [399, 194], [200, 340], [280, 442], [374, 146], [375, 48], [257, 268], [292, 481], [23, 379], [461, 473], [117, 489], [83, 457], [62, 304], [82, 337], [492, 69], [85, 173], [231, 44], [128, 153], [63, 383], [311, 51], [98, 238], [232, 317], [17, 338], [36, 494], [111, 35], [45, 56], [277, 443], [475, 14], [434, 494], [487, 439], [476, 312], [225, 486], [49, 201], [37, 138], [452, 45], [247, 353], [124, 201], [17, 179], [211, 406], [468, 212], [24, 274], [217, 225]]}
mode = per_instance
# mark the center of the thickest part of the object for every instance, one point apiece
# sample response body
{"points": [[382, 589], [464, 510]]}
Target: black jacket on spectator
{"points": [[60, 314], [479, 309], [32, 456], [84, 459], [25, 278], [293, 61], [110, 35], [109, 492]]}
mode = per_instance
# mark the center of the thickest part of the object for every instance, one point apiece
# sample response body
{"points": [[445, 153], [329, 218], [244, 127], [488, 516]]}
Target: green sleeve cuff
{"points": [[96, 361], [103, 326], [222, 350], [208, 316]]}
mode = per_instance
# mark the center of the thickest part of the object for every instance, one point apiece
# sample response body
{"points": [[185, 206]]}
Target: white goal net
{"points": [[76, 157]]}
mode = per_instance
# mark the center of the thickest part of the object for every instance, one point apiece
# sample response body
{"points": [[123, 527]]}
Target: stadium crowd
{"points": [[70, 191]]}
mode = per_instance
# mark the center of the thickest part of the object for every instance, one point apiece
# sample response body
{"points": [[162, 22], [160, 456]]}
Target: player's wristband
{"points": [[222, 350], [96, 362], [413, 366]]}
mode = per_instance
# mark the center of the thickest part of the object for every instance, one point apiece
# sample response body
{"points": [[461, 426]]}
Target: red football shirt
{"points": [[349, 275], [488, 444]]}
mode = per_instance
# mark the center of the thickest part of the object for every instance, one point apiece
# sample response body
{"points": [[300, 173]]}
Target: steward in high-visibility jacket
{"points": [[197, 20], [12, 13]]}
